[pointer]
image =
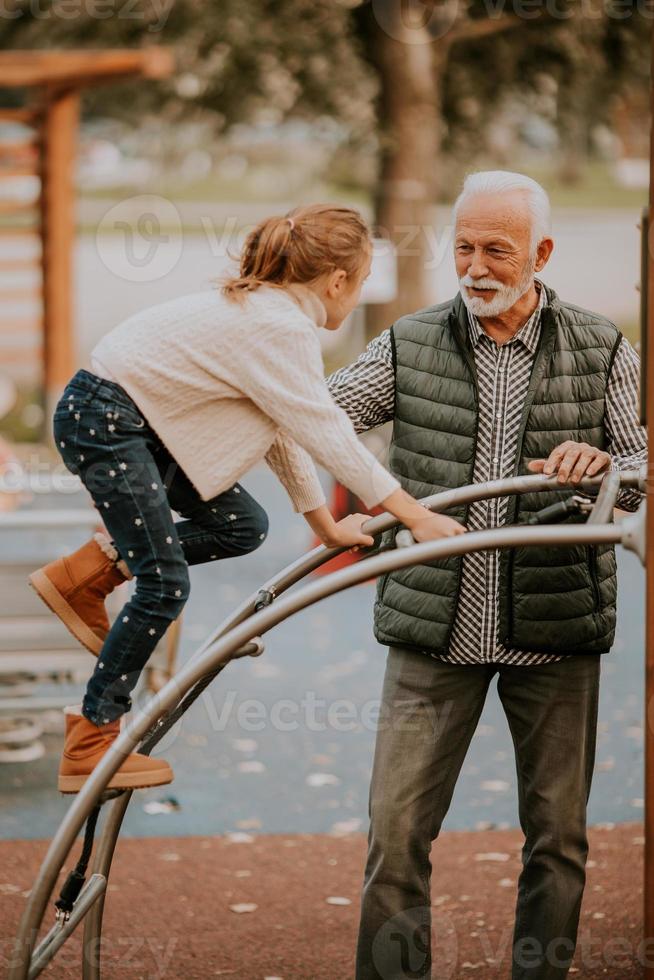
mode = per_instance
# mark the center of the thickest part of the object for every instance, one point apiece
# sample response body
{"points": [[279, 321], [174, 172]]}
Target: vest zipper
{"points": [[592, 565]]}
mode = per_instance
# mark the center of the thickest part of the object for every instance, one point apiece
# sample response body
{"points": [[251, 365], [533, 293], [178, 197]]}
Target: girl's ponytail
{"points": [[299, 247]]}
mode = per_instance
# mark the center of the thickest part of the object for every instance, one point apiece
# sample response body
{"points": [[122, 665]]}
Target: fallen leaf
{"points": [[251, 765], [245, 744], [318, 779], [343, 827]]}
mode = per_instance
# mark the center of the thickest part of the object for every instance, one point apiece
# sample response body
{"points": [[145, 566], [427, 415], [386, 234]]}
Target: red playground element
{"points": [[344, 502]]}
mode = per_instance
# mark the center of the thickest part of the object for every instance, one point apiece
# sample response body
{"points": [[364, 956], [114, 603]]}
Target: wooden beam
{"points": [[24, 324], [18, 170], [9, 231], [80, 68], [19, 265], [19, 293], [14, 147], [22, 356], [59, 135], [28, 116], [9, 206]]}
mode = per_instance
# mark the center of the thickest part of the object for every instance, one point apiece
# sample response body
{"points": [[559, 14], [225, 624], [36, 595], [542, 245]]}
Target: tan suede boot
{"points": [[74, 588], [85, 746]]}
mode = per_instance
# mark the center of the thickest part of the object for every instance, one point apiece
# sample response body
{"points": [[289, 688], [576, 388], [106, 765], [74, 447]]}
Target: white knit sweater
{"points": [[225, 385]]}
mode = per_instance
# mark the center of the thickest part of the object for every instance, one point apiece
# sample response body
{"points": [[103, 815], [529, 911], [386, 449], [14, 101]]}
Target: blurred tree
{"points": [[409, 42], [421, 79], [444, 69]]}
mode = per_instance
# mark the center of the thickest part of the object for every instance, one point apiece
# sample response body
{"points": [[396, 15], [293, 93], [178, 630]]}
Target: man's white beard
{"points": [[505, 296]]}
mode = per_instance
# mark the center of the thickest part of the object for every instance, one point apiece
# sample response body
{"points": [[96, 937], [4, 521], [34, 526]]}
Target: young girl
{"points": [[183, 399]]}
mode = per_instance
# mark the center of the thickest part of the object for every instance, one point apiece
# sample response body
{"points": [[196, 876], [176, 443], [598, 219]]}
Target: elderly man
{"points": [[504, 379]]}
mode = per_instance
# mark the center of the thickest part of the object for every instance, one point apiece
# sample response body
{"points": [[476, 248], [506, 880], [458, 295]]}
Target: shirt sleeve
{"points": [[284, 377], [627, 439], [295, 470], [365, 390]]}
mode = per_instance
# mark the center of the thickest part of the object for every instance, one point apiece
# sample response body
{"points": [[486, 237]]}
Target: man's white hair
{"points": [[503, 181]]}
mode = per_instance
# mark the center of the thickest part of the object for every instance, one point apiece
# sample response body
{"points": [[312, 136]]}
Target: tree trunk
{"points": [[407, 60]]}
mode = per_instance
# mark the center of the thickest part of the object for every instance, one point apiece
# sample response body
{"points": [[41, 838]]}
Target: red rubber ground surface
{"points": [[168, 912]]}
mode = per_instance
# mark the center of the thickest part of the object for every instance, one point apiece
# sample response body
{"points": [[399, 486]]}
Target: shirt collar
{"points": [[308, 301], [528, 334]]}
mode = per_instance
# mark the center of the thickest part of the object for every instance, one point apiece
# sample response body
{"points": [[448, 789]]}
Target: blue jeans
{"points": [[134, 482], [428, 715]]}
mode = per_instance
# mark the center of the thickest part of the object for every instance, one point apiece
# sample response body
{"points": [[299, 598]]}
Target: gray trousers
{"points": [[429, 712]]}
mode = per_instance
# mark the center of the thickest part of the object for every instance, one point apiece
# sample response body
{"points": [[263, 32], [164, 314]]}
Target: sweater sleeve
{"points": [[284, 376], [296, 472]]}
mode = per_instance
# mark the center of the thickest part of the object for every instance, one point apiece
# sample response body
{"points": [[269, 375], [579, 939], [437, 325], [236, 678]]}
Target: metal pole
{"points": [[222, 649], [602, 512], [438, 503]]}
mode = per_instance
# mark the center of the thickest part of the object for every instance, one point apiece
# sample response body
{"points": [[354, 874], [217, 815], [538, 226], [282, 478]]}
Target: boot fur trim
{"points": [[106, 546]]}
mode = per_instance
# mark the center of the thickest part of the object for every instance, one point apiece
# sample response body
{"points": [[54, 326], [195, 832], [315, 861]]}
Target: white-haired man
{"points": [[504, 379]]}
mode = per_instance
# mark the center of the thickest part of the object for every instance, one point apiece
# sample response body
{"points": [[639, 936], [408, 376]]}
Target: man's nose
{"points": [[478, 266]]}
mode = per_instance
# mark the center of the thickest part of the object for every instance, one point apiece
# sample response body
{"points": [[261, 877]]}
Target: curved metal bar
{"points": [[634, 533], [438, 502], [602, 512], [221, 650], [280, 583], [91, 946], [92, 892]]}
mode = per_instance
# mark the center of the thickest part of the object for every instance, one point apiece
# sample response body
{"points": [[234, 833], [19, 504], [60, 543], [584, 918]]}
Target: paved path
{"points": [[284, 743]]}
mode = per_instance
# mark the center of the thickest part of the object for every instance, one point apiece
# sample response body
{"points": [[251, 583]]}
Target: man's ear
{"points": [[543, 252]]}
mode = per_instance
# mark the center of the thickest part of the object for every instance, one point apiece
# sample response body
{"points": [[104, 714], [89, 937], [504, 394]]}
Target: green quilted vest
{"points": [[552, 600]]}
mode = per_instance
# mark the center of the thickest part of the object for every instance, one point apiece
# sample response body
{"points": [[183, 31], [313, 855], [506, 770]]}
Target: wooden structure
{"points": [[37, 224]]}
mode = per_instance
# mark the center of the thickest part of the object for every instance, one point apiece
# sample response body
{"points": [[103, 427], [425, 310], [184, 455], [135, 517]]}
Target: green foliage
{"points": [[241, 61]]}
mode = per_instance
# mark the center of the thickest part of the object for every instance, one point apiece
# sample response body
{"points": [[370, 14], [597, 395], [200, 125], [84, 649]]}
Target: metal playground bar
{"points": [[240, 635]]}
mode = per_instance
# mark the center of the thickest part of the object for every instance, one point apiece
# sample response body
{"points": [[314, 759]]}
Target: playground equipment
{"points": [[240, 636]]}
